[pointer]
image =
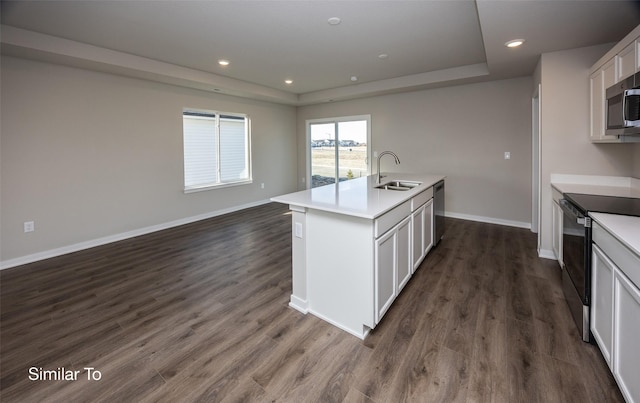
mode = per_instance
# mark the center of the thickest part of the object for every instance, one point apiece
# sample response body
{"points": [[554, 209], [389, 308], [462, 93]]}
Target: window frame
{"points": [[335, 121], [218, 115]]}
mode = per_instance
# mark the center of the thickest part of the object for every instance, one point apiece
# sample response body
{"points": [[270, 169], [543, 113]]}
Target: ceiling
{"points": [[426, 43]]}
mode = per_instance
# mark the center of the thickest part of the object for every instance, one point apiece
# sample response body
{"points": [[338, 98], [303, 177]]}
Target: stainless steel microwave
{"points": [[622, 107]]}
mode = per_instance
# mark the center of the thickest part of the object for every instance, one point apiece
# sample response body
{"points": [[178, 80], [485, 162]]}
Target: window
{"points": [[338, 149], [217, 150]]}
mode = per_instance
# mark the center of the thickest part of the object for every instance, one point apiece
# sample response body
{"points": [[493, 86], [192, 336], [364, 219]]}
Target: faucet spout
{"points": [[380, 156]]}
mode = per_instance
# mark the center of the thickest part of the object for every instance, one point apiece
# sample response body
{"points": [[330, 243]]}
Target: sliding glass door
{"points": [[338, 149]]}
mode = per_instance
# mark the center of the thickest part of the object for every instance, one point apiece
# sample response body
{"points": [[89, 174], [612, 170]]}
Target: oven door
{"points": [[576, 254], [575, 245]]}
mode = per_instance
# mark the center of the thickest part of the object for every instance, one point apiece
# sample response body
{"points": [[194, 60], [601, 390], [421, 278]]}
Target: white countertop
{"points": [[625, 229], [600, 190], [596, 185], [359, 197]]}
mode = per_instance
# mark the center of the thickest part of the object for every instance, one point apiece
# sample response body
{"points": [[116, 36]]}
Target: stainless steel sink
{"points": [[399, 185]]}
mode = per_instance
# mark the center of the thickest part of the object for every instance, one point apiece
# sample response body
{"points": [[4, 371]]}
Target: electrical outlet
{"points": [[262, 185], [29, 226], [507, 155]]}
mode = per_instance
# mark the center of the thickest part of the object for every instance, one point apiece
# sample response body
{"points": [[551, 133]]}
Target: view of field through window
{"points": [[338, 150]]}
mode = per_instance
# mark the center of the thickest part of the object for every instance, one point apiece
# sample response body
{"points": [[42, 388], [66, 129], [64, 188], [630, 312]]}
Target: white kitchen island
{"points": [[355, 247]]}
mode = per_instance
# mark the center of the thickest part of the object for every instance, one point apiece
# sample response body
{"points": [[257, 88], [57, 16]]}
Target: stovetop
{"points": [[605, 204]]}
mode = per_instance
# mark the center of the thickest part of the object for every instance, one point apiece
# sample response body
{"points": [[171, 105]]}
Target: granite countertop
{"points": [[359, 197], [624, 228]]}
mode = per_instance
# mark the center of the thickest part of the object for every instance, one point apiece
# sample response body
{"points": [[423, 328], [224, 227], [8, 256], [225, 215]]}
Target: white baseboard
{"points": [[6, 264], [547, 254], [301, 305], [489, 220]]}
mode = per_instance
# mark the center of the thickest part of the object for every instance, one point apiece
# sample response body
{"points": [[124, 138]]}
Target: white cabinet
{"points": [[392, 265], [557, 226], [626, 62], [422, 223], [599, 81], [638, 54], [348, 269], [615, 310], [626, 360], [602, 302], [385, 278], [405, 263], [427, 233]]}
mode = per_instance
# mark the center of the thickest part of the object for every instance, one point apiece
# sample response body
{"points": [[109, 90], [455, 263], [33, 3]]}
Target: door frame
{"points": [[335, 120]]}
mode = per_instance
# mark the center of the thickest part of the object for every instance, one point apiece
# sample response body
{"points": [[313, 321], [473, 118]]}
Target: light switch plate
{"points": [[507, 155]]}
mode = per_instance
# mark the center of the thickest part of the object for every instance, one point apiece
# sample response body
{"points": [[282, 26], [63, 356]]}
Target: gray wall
{"points": [[565, 145], [636, 161], [461, 132], [88, 155]]}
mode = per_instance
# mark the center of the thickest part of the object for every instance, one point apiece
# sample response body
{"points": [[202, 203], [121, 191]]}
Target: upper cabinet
{"points": [[599, 82], [626, 61], [621, 62]]}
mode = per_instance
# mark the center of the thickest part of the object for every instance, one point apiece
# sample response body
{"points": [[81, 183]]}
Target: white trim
{"points": [[547, 254], [489, 220], [335, 120], [361, 335], [6, 264], [301, 305]]}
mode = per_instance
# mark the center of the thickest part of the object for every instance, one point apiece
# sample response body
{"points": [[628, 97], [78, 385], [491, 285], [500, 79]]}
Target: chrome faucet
{"points": [[380, 156]]}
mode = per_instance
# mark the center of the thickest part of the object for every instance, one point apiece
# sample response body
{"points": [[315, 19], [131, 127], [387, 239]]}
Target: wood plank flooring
{"points": [[199, 313]]}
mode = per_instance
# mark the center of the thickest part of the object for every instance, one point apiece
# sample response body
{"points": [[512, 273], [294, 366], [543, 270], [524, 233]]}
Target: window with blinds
{"points": [[216, 150]]}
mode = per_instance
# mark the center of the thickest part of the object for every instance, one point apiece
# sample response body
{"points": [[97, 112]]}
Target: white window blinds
{"points": [[216, 150]]}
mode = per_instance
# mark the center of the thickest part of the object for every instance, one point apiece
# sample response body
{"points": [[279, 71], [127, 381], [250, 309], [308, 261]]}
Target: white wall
{"points": [[461, 132], [565, 144], [88, 155]]}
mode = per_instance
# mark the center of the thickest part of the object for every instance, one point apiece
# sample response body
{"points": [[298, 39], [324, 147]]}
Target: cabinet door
{"points": [[599, 82], [404, 252], [597, 105], [626, 333], [626, 62], [385, 269], [556, 213], [602, 302], [428, 226], [418, 223]]}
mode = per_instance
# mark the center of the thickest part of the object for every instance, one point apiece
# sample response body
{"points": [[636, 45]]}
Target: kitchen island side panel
{"points": [[340, 270]]}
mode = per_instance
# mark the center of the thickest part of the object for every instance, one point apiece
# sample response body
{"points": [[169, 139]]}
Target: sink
{"points": [[399, 185]]}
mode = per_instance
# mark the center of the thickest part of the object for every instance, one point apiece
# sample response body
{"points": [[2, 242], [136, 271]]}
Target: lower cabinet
{"points": [[392, 265], [626, 355], [615, 310], [556, 214], [602, 302], [422, 223]]}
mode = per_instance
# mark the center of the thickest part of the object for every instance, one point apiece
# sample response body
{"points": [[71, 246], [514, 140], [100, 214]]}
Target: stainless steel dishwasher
{"points": [[438, 208]]}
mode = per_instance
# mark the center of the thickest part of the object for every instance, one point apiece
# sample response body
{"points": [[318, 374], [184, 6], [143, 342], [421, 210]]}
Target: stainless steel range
{"points": [[576, 248]]}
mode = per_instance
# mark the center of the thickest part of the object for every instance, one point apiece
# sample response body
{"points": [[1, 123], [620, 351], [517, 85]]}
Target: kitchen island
{"points": [[355, 246]]}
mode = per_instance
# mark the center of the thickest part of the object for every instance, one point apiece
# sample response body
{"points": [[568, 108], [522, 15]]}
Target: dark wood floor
{"points": [[199, 313]]}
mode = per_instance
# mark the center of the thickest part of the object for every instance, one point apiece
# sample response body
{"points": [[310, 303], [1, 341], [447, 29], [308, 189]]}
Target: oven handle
{"points": [[571, 211]]}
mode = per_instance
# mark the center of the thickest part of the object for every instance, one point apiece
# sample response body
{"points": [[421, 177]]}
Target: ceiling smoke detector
{"points": [[334, 21]]}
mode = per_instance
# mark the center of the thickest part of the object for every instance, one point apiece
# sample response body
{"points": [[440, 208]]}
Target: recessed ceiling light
{"points": [[223, 62], [288, 82], [514, 43], [354, 78], [383, 56], [334, 21]]}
